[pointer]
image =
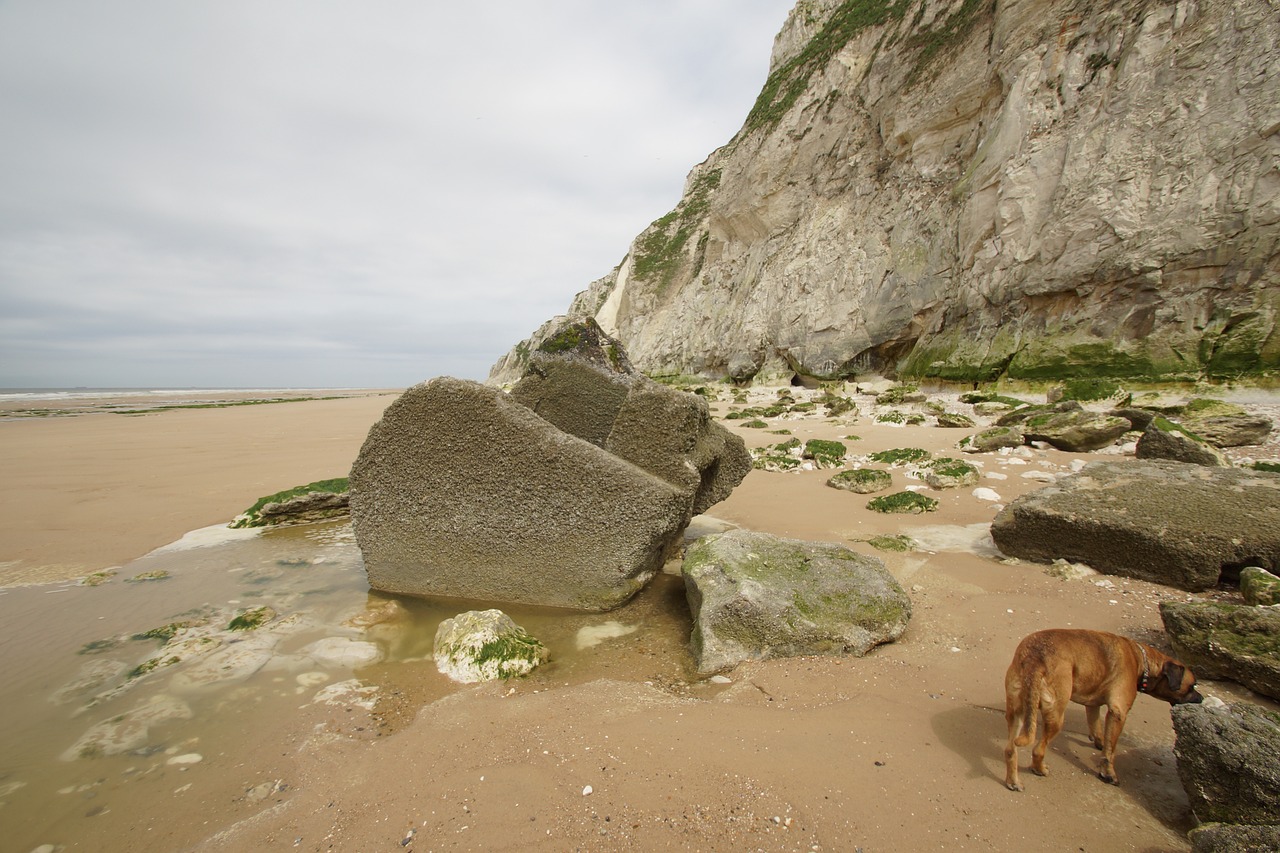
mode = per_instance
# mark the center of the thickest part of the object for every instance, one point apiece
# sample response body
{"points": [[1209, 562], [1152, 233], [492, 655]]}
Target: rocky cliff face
{"points": [[968, 189]]}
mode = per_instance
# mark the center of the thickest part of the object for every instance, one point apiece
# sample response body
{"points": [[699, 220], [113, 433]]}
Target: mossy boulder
{"points": [[899, 394], [754, 596], [1259, 586], [1075, 431], [899, 455], [485, 645], [318, 501], [863, 481], [1163, 439], [1224, 424], [1233, 642], [825, 454], [954, 420], [946, 473], [992, 439], [1229, 762], [903, 502]]}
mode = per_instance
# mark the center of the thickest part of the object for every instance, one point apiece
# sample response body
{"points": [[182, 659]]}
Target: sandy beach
{"points": [[896, 751]]}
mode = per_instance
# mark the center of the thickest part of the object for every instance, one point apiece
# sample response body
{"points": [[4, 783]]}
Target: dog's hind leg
{"points": [[1111, 736], [1053, 712], [1020, 717], [1093, 714]]}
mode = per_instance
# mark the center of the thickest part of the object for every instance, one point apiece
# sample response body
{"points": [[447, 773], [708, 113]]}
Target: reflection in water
{"points": [[155, 710]]}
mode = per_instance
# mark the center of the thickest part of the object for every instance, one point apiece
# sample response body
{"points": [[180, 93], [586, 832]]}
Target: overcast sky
{"points": [[300, 193]]}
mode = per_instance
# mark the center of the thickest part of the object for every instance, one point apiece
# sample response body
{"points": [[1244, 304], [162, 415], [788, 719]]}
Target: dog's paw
{"points": [[1040, 771], [1013, 786], [1109, 778]]}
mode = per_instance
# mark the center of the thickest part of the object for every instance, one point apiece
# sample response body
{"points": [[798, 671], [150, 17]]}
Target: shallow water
{"points": [[93, 749]]}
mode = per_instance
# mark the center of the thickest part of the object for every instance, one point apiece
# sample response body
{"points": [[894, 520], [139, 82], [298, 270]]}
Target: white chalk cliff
{"points": [[966, 189]]}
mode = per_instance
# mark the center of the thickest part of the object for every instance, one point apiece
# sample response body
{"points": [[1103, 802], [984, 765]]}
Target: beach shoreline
{"points": [[97, 481], [898, 750]]}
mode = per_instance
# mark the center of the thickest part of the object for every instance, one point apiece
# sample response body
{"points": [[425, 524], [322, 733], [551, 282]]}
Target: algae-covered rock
{"points": [[945, 473], [825, 454], [1163, 439], [903, 502], [1259, 586], [992, 439], [754, 596], [1225, 424], [318, 501], [484, 645], [1239, 643], [954, 420], [1229, 762], [1075, 431], [1166, 522], [862, 481]]}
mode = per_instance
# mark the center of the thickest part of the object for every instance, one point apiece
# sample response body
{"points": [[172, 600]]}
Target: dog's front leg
{"points": [[1111, 736]]}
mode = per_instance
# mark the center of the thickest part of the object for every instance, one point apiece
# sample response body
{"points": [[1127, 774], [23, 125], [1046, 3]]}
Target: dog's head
{"points": [[1176, 685]]}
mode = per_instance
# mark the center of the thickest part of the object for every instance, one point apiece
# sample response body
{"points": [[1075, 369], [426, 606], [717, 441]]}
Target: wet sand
{"points": [[623, 748], [86, 488]]}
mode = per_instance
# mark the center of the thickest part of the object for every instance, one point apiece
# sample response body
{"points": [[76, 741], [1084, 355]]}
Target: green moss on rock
{"points": [[903, 502]]}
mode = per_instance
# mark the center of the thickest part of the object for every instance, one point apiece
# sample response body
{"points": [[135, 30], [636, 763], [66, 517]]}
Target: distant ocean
{"points": [[21, 394]]}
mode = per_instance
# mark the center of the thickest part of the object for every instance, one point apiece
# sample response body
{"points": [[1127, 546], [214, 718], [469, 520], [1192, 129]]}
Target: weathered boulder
{"points": [[945, 473], [1225, 424], [668, 433], [1229, 762], [460, 491], [954, 420], [1075, 431], [754, 596], [1166, 522], [1259, 586], [1234, 642], [1162, 439], [1025, 413], [862, 481], [485, 645], [1138, 418], [1234, 838], [992, 439]]}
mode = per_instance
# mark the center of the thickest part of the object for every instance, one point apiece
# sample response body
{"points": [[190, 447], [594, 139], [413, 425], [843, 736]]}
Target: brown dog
{"points": [[1094, 669]]}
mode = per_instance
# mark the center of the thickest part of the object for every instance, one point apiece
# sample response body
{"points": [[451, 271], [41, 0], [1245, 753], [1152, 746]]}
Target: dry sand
{"points": [[897, 751]]}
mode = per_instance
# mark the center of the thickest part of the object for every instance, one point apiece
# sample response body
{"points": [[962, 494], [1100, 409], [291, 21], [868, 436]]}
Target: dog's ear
{"points": [[1173, 675]]}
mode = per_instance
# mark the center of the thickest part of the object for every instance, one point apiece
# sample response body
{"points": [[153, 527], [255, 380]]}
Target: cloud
{"points": [[336, 193]]}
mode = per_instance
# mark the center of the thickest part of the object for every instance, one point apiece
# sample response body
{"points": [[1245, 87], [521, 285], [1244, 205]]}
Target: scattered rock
{"points": [[944, 473], [1139, 419], [1234, 642], [952, 420], [484, 645], [862, 481], [903, 502], [754, 596], [1225, 424], [1075, 431], [1163, 439], [1229, 762], [1259, 586], [992, 439], [1165, 522]]}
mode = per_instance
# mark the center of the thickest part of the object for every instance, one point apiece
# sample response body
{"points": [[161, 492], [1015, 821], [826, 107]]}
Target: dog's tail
{"points": [[1026, 723]]}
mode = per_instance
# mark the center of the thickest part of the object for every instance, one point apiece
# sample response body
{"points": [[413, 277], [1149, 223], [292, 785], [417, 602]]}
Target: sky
{"points": [[332, 193]]}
